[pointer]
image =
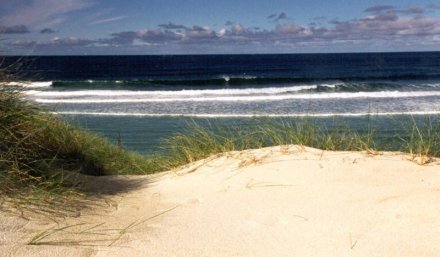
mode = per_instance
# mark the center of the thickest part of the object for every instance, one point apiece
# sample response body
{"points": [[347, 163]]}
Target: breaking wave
{"points": [[140, 98]]}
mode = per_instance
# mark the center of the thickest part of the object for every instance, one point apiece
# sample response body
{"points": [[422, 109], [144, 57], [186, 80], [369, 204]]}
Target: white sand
{"points": [[280, 201]]}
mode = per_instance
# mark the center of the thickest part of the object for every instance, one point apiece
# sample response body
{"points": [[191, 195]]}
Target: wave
{"points": [[223, 89], [30, 84], [206, 115], [220, 81], [234, 81], [184, 92], [380, 94]]}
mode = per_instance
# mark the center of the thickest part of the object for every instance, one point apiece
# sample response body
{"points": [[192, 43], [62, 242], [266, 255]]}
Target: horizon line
{"points": [[219, 54]]}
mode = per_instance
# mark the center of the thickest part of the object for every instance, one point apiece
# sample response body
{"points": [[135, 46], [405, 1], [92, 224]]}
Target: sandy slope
{"points": [[280, 201]]}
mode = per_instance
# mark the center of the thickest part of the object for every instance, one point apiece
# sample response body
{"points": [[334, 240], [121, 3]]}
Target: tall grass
{"points": [[423, 140], [198, 141], [40, 154]]}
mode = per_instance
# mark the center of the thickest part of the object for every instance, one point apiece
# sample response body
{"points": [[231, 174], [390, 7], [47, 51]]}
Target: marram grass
{"points": [[198, 141], [39, 154]]}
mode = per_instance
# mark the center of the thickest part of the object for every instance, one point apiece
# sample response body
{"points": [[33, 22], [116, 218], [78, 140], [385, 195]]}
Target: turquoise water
{"points": [[146, 134]]}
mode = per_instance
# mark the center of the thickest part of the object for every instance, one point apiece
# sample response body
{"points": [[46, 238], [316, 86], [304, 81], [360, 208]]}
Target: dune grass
{"points": [[41, 154], [423, 141], [198, 141]]}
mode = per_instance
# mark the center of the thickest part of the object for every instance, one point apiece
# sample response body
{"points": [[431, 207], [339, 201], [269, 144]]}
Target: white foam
{"points": [[228, 78], [31, 84], [206, 115], [171, 93], [265, 98]]}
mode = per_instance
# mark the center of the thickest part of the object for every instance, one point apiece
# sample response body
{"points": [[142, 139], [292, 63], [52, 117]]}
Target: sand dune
{"points": [[279, 201]]}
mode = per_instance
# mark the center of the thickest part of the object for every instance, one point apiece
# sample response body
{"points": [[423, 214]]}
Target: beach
{"points": [[219, 128], [277, 201]]}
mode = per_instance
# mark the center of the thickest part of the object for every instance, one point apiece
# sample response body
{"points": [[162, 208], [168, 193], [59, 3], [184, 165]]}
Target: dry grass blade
{"points": [[38, 239]]}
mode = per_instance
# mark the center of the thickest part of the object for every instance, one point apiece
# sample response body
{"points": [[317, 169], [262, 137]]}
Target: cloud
{"points": [[171, 25], [41, 13], [150, 36], [68, 41], [413, 10], [387, 27], [290, 29], [107, 20], [380, 26], [54, 42], [23, 43], [277, 17], [157, 36], [47, 31], [165, 34], [17, 29], [382, 17], [121, 38], [380, 8]]}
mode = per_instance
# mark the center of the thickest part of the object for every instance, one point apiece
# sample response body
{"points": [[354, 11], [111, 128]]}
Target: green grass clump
{"points": [[198, 141], [39, 153], [423, 140]]}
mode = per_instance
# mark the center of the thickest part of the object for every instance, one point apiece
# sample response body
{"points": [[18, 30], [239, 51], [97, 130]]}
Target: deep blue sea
{"points": [[147, 98]]}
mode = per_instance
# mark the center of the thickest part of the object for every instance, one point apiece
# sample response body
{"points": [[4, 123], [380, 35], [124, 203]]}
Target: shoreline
{"points": [[278, 201]]}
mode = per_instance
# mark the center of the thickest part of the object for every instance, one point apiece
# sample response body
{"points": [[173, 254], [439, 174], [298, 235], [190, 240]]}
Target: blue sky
{"points": [[87, 27]]}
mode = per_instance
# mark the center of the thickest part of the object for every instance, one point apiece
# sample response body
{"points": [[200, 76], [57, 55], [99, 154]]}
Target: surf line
{"points": [[207, 115]]}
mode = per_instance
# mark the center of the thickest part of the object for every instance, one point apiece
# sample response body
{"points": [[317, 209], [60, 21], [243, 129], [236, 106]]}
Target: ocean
{"points": [[144, 99]]}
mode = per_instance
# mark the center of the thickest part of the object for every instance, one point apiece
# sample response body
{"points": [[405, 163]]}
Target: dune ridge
{"points": [[276, 201]]}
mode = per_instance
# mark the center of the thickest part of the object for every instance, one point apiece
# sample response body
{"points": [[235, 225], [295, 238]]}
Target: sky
{"points": [[103, 27]]}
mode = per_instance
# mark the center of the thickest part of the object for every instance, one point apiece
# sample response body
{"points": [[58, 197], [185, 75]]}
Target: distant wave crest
{"points": [[252, 98], [183, 92]]}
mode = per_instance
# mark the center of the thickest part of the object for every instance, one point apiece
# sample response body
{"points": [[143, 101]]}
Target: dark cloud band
{"points": [[18, 29]]}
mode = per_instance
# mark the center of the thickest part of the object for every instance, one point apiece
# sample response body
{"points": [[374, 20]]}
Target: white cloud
{"points": [[221, 32], [373, 28]]}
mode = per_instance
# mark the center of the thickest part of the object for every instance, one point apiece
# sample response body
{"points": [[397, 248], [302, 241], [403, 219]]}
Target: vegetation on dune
{"points": [[39, 153], [198, 141], [423, 141]]}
